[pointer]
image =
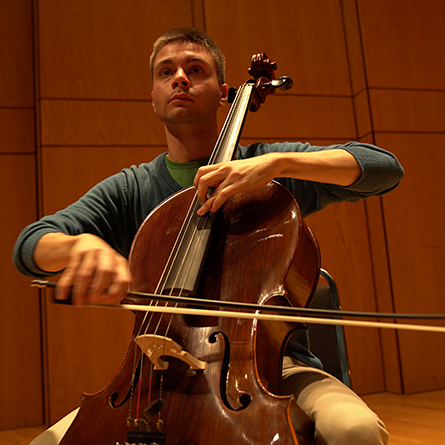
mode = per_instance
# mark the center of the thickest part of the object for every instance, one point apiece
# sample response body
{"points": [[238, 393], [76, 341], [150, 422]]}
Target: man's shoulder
{"points": [[150, 178], [144, 170]]}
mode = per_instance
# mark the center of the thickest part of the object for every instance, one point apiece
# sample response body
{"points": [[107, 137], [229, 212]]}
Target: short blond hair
{"points": [[191, 35]]}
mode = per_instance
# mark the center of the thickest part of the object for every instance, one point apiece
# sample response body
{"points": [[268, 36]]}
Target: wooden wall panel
{"points": [[20, 334], [354, 49], [342, 233], [16, 69], [416, 246], [402, 43], [299, 118], [88, 123], [17, 130], [383, 292], [381, 277], [408, 111], [306, 40], [381, 274], [363, 116], [422, 156], [406, 90], [100, 50], [20, 329]]}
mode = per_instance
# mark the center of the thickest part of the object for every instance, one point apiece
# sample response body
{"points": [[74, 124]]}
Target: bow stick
{"points": [[274, 312]]}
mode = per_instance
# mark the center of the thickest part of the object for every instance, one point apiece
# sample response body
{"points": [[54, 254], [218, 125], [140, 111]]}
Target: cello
{"points": [[204, 379]]}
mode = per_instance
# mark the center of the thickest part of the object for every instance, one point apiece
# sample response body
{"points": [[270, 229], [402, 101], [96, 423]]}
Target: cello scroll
{"points": [[262, 69]]}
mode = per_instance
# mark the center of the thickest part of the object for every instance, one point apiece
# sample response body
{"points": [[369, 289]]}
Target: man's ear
{"points": [[153, 102], [224, 94]]}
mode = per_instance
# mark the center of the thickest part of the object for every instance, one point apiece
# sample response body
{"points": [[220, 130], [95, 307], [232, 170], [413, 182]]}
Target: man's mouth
{"points": [[181, 98]]}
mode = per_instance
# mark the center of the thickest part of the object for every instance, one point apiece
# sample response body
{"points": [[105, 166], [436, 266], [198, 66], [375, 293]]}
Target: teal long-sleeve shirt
{"points": [[116, 207]]}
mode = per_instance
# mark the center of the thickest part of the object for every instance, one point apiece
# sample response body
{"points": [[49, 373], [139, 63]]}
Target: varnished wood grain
{"points": [[354, 49], [20, 329], [406, 88], [417, 419], [20, 436], [362, 113], [382, 283]]}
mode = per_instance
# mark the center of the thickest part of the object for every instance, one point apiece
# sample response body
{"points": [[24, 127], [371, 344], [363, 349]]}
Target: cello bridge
{"points": [[157, 346]]}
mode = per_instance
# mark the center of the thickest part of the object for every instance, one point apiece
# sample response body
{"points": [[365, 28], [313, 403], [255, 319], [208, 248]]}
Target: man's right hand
{"points": [[93, 270]]}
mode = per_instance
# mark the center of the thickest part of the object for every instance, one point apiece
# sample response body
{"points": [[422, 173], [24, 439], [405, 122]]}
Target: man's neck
{"points": [[188, 146]]}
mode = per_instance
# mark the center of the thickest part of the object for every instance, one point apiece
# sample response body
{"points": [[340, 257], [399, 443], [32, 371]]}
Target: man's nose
{"points": [[180, 79]]}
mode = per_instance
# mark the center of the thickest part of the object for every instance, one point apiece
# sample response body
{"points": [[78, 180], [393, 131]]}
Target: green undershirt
{"points": [[184, 173]]}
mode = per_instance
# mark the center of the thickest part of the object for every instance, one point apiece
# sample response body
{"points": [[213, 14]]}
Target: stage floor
{"points": [[410, 419]]}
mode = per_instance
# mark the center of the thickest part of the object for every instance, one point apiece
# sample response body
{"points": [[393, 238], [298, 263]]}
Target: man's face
{"points": [[185, 85]]}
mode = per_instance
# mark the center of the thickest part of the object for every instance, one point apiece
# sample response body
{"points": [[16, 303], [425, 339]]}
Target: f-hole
{"points": [[244, 399]]}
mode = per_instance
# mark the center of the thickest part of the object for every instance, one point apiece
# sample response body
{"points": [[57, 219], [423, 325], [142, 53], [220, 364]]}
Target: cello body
{"points": [[261, 251]]}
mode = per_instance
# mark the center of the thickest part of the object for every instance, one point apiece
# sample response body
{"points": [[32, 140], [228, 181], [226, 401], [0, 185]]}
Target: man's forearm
{"points": [[52, 252], [328, 166]]}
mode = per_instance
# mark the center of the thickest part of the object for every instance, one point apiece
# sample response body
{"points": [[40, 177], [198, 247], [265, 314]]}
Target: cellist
{"points": [[89, 241]]}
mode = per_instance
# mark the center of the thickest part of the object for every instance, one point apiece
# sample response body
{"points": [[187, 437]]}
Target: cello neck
{"points": [[227, 144], [185, 265]]}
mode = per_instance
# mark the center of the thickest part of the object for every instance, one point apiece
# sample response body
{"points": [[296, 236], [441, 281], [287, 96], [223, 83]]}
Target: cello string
{"points": [[160, 289], [221, 152], [202, 221], [168, 269], [141, 363], [197, 235], [216, 156], [145, 330]]}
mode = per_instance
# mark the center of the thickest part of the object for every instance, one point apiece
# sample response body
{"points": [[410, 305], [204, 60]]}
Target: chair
{"points": [[327, 342]]}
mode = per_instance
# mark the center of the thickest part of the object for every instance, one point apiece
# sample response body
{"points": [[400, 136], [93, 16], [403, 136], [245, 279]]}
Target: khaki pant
{"points": [[341, 417]]}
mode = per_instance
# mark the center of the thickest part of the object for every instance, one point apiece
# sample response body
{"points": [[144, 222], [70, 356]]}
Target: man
{"points": [[90, 240]]}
